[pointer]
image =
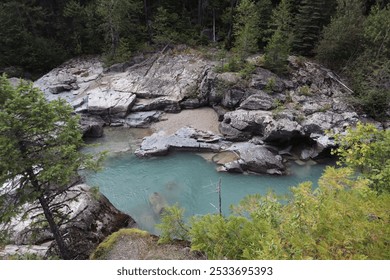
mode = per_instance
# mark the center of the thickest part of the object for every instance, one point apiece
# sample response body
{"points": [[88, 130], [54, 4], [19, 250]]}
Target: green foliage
{"points": [[342, 219], [247, 70], [246, 23], [305, 90], [22, 37], [343, 36], [312, 16], [104, 247], [367, 150], [264, 10], [282, 17], [172, 225], [370, 72], [122, 27], [270, 86], [276, 53], [278, 47], [39, 153]]}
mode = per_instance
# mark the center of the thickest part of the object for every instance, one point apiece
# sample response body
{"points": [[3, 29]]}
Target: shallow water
{"points": [[141, 187]]}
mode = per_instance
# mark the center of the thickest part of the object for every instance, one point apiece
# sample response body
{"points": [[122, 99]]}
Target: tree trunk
{"points": [[230, 31], [214, 36], [49, 217], [54, 228], [200, 8]]}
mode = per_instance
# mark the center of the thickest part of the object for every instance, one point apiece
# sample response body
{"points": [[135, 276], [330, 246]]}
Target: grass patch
{"points": [[104, 248]]}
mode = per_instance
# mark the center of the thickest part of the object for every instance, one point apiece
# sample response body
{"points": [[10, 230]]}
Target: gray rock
{"points": [[15, 250], [221, 111], [110, 102], [257, 158], [92, 126], [264, 79], [142, 119], [192, 103], [233, 97], [258, 101], [233, 167], [92, 217], [185, 139], [160, 103]]}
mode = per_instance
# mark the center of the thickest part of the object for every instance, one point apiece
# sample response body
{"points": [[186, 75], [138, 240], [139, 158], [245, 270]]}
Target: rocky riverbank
{"points": [[289, 116], [252, 124]]}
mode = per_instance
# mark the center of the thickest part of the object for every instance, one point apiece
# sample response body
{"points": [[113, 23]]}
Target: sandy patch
{"points": [[204, 119]]}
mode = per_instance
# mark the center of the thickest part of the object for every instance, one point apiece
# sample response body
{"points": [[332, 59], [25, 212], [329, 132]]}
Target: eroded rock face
{"points": [[307, 106], [307, 103], [93, 218], [159, 82]]}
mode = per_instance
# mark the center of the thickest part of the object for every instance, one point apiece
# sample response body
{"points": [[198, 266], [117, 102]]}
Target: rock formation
{"points": [[92, 218], [296, 110]]}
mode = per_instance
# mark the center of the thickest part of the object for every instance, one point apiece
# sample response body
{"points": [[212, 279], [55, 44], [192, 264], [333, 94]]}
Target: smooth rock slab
{"points": [[186, 138], [110, 102]]}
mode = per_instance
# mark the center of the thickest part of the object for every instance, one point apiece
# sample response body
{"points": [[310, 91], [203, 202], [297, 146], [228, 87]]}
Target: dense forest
{"points": [[349, 36]]}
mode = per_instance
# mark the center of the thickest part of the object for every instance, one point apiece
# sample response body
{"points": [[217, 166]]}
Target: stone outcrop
{"points": [[185, 139], [255, 158], [161, 82], [92, 218], [250, 157], [300, 110], [281, 111]]}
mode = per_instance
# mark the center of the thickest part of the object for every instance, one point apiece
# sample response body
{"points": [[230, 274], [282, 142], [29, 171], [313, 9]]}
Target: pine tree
{"points": [[278, 48], [312, 16], [264, 9], [246, 29], [343, 37], [39, 153]]}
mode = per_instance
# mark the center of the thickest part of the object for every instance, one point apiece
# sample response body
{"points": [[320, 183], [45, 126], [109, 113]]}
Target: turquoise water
{"points": [[183, 178]]}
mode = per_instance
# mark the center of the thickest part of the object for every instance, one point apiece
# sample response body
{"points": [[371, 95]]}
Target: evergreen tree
{"points": [[276, 52], [264, 9], [121, 22], [39, 156], [370, 72], [343, 37], [23, 37], [278, 48], [312, 16], [246, 29]]}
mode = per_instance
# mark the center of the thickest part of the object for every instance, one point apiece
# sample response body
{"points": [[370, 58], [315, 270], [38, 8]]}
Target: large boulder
{"points": [[255, 158], [92, 217], [142, 119]]}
